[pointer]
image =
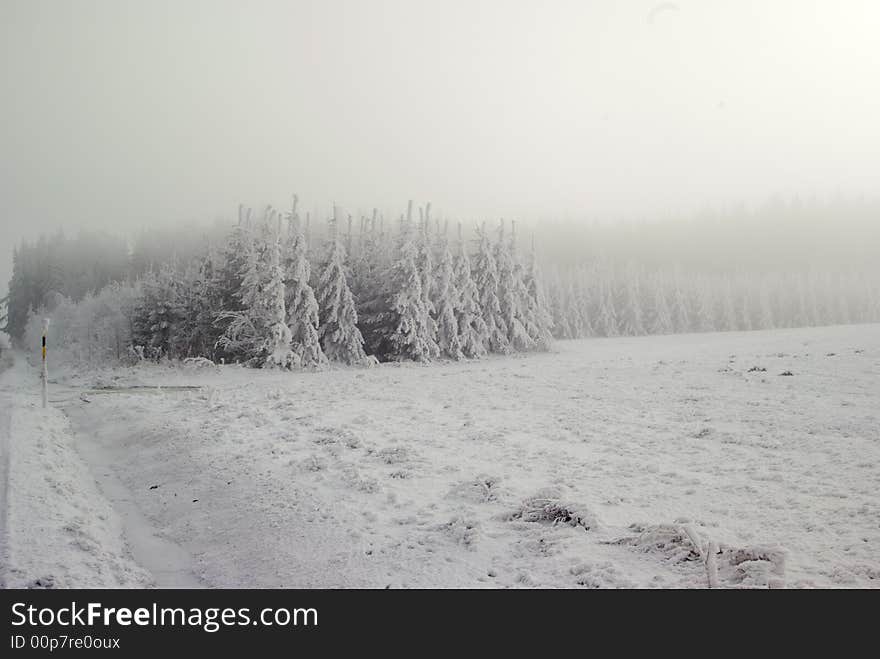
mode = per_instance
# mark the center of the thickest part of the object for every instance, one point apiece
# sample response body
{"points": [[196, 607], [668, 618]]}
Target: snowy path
{"points": [[169, 565], [57, 528], [429, 476]]}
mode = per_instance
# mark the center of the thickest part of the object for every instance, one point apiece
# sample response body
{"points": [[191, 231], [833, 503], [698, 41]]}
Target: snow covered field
{"points": [[651, 462]]}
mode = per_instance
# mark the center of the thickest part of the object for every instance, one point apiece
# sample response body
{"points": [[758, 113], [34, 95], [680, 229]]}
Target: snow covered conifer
{"points": [[158, 313], [340, 337], [447, 303], [538, 319], [681, 314], [766, 318], [473, 333], [246, 331], [485, 273], [424, 259], [279, 353], [631, 321], [661, 317], [512, 294], [607, 322], [728, 319], [705, 306], [412, 336], [575, 296], [558, 304], [301, 306]]}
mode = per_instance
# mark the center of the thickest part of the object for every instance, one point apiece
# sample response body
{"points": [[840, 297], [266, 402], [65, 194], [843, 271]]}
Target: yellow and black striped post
{"points": [[44, 374]]}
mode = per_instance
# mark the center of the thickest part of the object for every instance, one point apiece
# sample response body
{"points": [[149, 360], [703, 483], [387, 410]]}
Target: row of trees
{"points": [[602, 299], [277, 291], [409, 294], [57, 266]]}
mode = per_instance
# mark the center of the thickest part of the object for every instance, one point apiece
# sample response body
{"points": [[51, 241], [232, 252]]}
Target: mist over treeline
{"points": [[782, 264], [776, 236]]}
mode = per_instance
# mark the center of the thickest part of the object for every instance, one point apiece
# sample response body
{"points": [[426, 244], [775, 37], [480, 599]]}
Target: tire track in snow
{"points": [[170, 565]]}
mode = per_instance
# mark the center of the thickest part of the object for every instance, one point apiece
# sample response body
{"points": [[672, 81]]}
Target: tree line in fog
{"points": [[279, 290]]}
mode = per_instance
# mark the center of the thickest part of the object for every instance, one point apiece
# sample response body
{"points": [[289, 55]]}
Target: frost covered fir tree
{"points": [[744, 318], [472, 330], [414, 331], [705, 306], [278, 352], [371, 289], [539, 321], [424, 259], [631, 318], [301, 306], [339, 334], [661, 318], [485, 272], [766, 318], [576, 311], [447, 302], [727, 309], [259, 332], [158, 313], [558, 303], [681, 314], [247, 333], [607, 318], [512, 295], [199, 302]]}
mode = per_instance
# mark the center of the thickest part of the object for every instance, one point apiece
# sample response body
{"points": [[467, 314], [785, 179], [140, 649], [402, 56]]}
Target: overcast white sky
{"points": [[122, 113]]}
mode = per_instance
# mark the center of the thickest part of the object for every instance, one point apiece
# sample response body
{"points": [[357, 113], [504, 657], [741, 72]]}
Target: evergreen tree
{"points": [[538, 319], [728, 319], [765, 307], [485, 273], [473, 333], [247, 334], [661, 317], [681, 314], [279, 353], [301, 306], [607, 318], [340, 337], [512, 293], [414, 330], [705, 307], [158, 313], [577, 297], [447, 304], [631, 321]]}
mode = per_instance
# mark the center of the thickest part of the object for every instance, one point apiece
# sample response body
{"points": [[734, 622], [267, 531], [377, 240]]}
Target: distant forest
{"points": [[280, 289]]}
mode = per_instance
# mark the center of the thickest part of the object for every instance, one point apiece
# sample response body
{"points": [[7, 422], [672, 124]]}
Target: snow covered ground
{"points": [[56, 529], [650, 461]]}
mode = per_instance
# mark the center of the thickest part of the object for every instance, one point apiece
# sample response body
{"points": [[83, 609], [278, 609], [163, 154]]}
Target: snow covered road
{"points": [[641, 450], [58, 531]]}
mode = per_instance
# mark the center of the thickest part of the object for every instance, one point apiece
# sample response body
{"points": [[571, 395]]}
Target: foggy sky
{"points": [[121, 114]]}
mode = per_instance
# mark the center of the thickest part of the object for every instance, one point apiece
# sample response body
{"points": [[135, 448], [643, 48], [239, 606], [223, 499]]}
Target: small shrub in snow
{"points": [[545, 506], [670, 540], [198, 363], [718, 565]]}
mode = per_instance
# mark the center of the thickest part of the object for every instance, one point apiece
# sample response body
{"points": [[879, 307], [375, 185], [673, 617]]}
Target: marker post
{"points": [[44, 375]]}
